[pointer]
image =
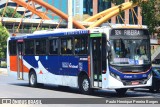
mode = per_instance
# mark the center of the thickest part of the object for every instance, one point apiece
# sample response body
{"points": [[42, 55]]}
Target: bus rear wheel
{"points": [[84, 85], [121, 91], [32, 79]]}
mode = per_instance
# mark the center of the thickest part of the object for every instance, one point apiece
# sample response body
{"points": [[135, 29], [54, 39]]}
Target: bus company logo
{"points": [[73, 66], [127, 76], [68, 65], [135, 76], [65, 64], [144, 75]]}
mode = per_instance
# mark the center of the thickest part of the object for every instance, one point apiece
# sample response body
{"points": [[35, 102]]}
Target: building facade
{"points": [[20, 9], [81, 7], [59, 4], [93, 7]]}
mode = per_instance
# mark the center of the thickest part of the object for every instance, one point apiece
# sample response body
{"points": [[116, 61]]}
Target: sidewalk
{"points": [[3, 71]]}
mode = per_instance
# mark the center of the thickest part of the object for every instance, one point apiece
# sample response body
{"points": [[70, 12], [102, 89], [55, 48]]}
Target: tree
{"points": [[150, 12], [8, 13], [4, 34], [150, 16]]}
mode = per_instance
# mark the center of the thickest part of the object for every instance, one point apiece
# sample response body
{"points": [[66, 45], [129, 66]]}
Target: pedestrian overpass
{"points": [[29, 25]]}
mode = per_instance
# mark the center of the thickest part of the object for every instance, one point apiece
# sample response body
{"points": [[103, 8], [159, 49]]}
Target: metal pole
{"points": [[70, 23]]}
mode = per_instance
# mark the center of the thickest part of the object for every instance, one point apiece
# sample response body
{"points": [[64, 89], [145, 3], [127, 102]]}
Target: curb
{"points": [[3, 71]]}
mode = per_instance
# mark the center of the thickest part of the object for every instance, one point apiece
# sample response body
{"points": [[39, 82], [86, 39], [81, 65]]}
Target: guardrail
{"points": [[21, 30]]}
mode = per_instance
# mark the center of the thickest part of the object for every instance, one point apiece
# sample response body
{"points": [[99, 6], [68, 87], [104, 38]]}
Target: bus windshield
{"points": [[130, 52]]}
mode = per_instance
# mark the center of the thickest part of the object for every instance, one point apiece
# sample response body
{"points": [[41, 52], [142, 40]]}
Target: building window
{"points": [[120, 20], [66, 46], [41, 46], [103, 5], [29, 47], [88, 7], [132, 17]]}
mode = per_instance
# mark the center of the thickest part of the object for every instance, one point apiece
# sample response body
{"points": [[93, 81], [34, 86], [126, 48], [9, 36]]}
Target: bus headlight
{"points": [[118, 77], [149, 76], [115, 76]]}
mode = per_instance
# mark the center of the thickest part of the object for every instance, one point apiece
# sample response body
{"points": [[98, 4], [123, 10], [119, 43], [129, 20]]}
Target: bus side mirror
{"points": [[108, 46]]}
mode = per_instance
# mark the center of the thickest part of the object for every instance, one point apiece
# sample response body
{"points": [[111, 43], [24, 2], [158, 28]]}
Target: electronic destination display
{"points": [[129, 32]]}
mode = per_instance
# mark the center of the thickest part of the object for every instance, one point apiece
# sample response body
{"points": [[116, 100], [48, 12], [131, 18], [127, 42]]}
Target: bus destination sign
{"points": [[128, 32]]}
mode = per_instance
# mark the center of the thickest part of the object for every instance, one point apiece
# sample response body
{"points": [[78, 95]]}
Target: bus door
{"points": [[98, 60], [20, 59]]}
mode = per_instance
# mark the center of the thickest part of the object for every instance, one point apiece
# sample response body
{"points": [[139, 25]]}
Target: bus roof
{"points": [[53, 33], [74, 32]]}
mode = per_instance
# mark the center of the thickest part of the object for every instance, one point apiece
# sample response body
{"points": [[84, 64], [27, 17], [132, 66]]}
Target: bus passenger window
{"points": [[41, 47], [53, 46], [12, 47], [80, 45], [29, 47], [66, 46]]}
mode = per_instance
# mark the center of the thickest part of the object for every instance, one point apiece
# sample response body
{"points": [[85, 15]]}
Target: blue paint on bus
{"points": [[60, 65], [45, 35], [125, 76]]}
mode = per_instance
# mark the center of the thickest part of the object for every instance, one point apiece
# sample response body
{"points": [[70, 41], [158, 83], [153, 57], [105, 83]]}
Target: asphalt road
{"points": [[12, 88]]}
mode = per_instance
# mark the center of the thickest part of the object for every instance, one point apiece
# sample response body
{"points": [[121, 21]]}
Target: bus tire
{"points": [[84, 85], [32, 79], [121, 91], [153, 90]]}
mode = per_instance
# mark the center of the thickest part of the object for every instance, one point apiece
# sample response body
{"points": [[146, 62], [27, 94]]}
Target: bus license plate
{"points": [[135, 82]]}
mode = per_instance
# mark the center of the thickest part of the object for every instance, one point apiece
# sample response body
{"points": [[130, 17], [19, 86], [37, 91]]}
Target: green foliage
{"points": [[122, 1], [116, 2], [149, 14], [3, 64], [4, 34], [8, 13]]}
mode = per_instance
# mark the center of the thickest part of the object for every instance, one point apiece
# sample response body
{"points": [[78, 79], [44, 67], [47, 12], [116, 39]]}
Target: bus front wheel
{"points": [[32, 79], [84, 85]]}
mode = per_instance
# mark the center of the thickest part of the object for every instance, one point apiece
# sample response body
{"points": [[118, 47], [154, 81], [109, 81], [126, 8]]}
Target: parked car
{"points": [[156, 61], [155, 80]]}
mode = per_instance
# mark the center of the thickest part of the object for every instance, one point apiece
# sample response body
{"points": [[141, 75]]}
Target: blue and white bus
{"points": [[104, 58]]}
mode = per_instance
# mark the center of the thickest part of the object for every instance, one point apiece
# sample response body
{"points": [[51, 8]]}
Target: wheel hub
{"points": [[85, 84], [32, 79]]}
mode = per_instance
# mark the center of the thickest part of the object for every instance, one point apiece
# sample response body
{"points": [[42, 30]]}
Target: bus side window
{"points": [[41, 46], [29, 47], [66, 46], [53, 46], [80, 45], [12, 47]]}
